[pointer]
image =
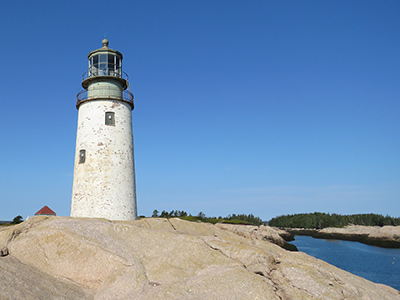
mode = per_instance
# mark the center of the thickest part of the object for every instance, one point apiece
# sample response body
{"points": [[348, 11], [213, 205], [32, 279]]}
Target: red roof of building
{"points": [[45, 211]]}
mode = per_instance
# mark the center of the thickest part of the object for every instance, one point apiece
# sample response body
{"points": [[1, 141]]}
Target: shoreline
{"points": [[386, 236]]}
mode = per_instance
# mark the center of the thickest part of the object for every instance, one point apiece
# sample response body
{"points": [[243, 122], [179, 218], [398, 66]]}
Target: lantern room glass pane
{"points": [[103, 69], [103, 58], [94, 66], [103, 64], [111, 65], [118, 66]]}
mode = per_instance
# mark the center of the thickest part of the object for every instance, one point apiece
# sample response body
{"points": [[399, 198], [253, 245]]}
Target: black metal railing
{"points": [[107, 72], [127, 96]]}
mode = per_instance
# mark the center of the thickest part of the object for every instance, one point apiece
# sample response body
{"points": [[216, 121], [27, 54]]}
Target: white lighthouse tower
{"points": [[104, 174]]}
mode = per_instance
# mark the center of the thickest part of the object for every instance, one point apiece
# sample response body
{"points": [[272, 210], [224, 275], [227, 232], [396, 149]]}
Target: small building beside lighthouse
{"points": [[104, 172]]}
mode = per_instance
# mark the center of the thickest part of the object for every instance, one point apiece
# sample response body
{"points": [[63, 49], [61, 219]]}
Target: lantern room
{"points": [[105, 78], [104, 62]]}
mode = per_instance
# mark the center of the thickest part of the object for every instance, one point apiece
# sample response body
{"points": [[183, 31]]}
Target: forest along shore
{"points": [[385, 236]]}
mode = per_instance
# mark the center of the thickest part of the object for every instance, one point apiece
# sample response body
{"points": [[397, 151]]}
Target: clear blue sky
{"points": [[263, 107]]}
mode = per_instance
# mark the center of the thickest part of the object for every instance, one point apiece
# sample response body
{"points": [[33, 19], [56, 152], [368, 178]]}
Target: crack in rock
{"points": [[224, 254], [147, 223], [14, 235], [171, 224]]}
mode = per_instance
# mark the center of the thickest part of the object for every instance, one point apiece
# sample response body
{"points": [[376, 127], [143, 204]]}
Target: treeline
{"points": [[233, 218], [319, 220]]}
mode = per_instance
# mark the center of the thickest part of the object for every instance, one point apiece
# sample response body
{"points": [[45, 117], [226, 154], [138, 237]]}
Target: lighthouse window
{"points": [[111, 65], [82, 156], [95, 60], [110, 118], [118, 66], [95, 65], [111, 61], [103, 64]]}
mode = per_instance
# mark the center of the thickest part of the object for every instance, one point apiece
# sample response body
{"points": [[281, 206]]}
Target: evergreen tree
{"points": [[17, 220]]}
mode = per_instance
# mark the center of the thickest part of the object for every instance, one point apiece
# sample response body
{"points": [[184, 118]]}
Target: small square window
{"points": [[110, 118], [82, 156]]}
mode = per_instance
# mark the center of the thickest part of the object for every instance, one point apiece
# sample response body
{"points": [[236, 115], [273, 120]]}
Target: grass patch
{"points": [[237, 222], [214, 220]]}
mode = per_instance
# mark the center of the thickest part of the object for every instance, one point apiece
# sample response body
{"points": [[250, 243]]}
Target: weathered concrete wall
{"points": [[104, 185], [105, 89]]}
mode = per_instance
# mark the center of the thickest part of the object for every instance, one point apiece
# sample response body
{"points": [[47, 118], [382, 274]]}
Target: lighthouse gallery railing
{"points": [[127, 96]]}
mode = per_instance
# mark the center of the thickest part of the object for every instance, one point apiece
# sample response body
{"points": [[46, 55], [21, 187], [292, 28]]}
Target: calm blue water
{"points": [[380, 265]]}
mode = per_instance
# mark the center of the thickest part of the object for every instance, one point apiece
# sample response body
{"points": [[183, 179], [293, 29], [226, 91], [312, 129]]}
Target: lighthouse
{"points": [[104, 172]]}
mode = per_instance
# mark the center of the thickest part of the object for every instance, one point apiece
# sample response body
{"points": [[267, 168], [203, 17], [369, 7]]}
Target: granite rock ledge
{"points": [[78, 258]]}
